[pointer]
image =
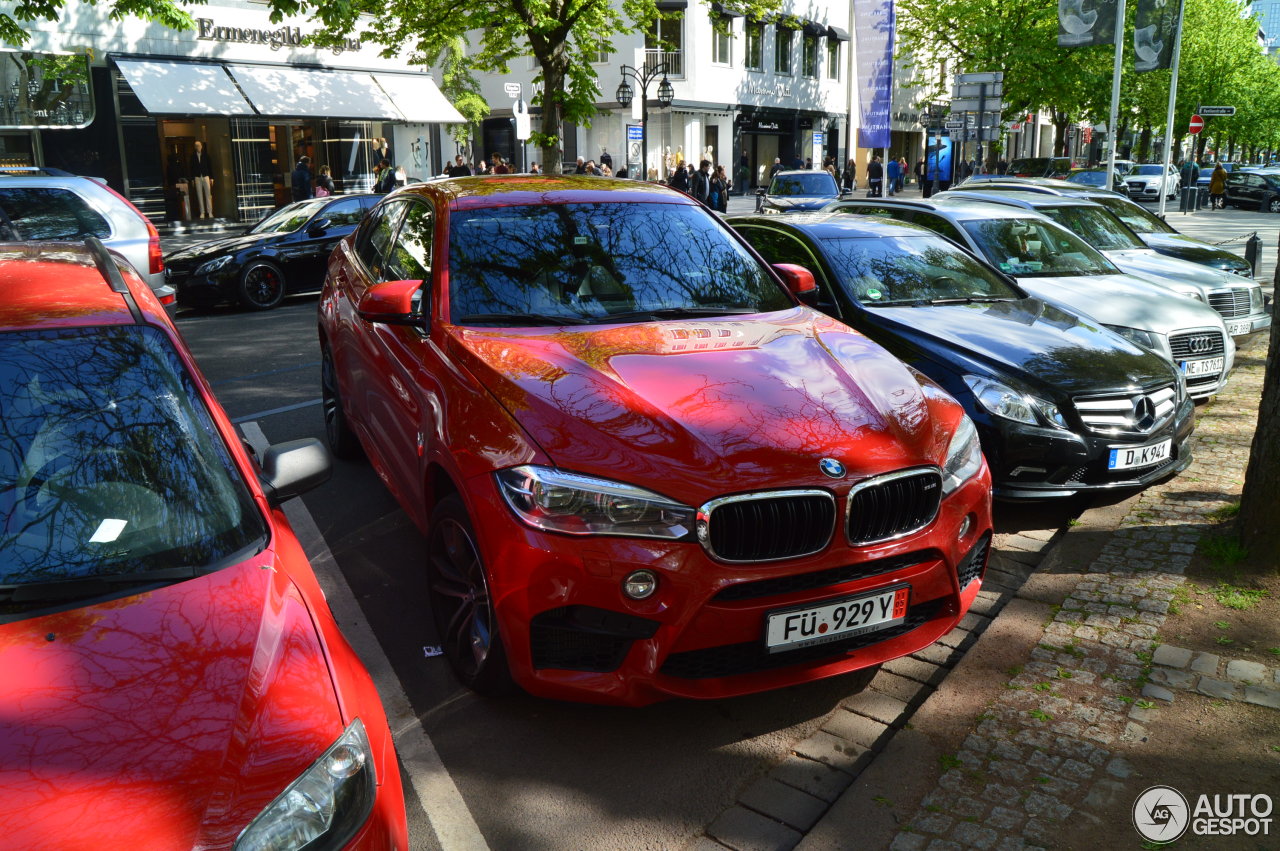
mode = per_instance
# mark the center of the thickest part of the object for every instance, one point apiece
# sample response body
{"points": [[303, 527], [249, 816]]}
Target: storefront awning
{"points": [[183, 88], [307, 92], [837, 34], [418, 99]]}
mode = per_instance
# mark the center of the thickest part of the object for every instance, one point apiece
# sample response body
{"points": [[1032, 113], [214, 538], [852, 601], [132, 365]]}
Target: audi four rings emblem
{"points": [[1200, 345], [831, 467]]}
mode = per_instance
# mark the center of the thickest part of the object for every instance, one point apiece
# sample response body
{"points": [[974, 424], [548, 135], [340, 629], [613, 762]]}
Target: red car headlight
{"points": [[574, 504]]}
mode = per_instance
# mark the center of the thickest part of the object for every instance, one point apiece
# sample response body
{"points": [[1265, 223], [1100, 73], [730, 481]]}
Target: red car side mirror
{"points": [[392, 303], [798, 280]]}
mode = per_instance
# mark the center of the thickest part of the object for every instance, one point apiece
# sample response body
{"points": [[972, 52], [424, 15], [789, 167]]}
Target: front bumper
{"points": [[201, 291], [1036, 463], [570, 632]]}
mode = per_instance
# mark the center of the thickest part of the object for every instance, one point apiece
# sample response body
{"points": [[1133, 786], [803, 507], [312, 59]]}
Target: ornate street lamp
{"points": [[625, 94]]}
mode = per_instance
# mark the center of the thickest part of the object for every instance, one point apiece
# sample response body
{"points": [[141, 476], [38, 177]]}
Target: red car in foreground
{"points": [[170, 674], [644, 468]]}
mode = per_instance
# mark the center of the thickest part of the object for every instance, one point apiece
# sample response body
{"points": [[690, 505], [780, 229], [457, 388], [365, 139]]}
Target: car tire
{"points": [[461, 603], [262, 285], [337, 430], [1272, 204]]}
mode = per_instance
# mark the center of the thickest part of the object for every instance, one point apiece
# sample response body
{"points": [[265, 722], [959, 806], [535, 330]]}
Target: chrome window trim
{"points": [[879, 480], [702, 520]]}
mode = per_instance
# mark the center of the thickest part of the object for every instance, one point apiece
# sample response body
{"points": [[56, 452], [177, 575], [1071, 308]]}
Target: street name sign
{"points": [[1216, 110], [973, 90], [981, 77], [990, 104]]}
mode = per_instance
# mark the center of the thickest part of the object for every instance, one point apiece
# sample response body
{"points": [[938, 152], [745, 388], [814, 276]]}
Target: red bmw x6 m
{"points": [[645, 469]]}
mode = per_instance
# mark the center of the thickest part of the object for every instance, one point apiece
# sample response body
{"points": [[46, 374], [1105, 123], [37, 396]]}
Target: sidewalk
{"points": [[1037, 722]]}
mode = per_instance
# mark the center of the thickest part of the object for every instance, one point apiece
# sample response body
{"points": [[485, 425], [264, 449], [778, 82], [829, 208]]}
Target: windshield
{"points": [[1089, 178], [816, 183], [1148, 169], [887, 271], [289, 219], [107, 466], [1035, 248], [1137, 218], [1094, 226], [595, 262]]}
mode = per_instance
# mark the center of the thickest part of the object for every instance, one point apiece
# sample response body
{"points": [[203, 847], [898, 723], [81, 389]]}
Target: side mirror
{"points": [[393, 303], [318, 227], [798, 280], [292, 468]]}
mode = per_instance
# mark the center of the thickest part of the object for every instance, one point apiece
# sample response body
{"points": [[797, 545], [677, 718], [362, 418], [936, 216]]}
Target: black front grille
{"points": [[893, 505], [751, 656], [584, 638], [974, 564], [1198, 344], [772, 526], [821, 578], [1231, 304]]}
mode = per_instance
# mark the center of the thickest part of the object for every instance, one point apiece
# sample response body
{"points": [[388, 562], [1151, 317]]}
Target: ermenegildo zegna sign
{"points": [[208, 30]]}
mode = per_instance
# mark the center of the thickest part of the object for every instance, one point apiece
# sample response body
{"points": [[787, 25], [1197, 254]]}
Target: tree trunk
{"points": [[552, 147], [1060, 122], [1259, 519], [1144, 145]]}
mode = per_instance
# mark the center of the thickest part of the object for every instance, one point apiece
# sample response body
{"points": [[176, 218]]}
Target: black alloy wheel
{"points": [[337, 430], [461, 603], [261, 285]]}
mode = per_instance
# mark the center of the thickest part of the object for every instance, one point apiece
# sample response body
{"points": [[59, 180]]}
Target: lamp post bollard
{"points": [[625, 94]]}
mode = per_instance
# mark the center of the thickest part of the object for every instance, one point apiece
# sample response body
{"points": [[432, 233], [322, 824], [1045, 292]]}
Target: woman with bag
{"points": [[324, 183], [1218, 188], [718, 199]]}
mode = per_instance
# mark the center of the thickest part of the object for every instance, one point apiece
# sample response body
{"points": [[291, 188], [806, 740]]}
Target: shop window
{"points": [[782, 50], [810, 56], [722, 40], [833, 59], [755, 46]]}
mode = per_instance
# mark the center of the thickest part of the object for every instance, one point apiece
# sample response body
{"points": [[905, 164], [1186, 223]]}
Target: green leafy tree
{"points": [[171, 14]]}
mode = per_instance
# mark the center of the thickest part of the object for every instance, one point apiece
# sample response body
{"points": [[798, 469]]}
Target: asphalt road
{"points": [[532, 774]]}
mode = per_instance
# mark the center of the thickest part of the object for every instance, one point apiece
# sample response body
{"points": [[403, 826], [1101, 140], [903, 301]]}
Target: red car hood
{"points": [[694, 407], [165, 720]]}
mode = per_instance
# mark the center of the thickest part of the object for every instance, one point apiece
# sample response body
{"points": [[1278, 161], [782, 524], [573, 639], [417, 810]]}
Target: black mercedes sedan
{"points": [[285, 253], [1062, 405]]}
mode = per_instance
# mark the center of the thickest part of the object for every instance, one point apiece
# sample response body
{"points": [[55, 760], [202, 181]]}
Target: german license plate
{"points": [[1208, 366], [851, 616], [1236, 329], [1139, 456]]}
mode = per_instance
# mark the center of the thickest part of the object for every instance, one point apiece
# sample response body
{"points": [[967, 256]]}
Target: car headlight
{"points": [[964, 456], [1003, 401], [1145, 339], [1195, 294], [325, 806], [574, 504], [213, 265], [1255, 300]]}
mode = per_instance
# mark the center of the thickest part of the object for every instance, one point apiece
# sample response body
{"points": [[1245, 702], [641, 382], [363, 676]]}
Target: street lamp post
{"points": [[624, 96]]}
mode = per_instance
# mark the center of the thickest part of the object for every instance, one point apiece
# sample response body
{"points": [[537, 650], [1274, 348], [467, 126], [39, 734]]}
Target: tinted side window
{"points": [[940, 225], [345, 213], [375, 236], [779, 247], [410, 258], [40, 213]]}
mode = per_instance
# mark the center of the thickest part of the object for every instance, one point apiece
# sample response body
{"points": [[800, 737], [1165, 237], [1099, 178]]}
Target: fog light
{"points": [[965, 525], [640, 584]]}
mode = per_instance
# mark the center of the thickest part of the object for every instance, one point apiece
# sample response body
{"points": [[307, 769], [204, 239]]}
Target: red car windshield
{"points": [[599, 263], [109, 464]]}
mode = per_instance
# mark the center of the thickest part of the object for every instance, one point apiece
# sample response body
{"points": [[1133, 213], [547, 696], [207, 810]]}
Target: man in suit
{"points": [[202, 181]]}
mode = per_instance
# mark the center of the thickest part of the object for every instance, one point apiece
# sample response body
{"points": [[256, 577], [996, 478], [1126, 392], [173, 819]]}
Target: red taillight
{"points": [[154, 255], [171, 298]]}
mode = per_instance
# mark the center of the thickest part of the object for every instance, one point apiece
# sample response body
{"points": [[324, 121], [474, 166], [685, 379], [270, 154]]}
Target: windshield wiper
{"points": [[679, 313], [517, 319], [88, 586], [979, 299]]}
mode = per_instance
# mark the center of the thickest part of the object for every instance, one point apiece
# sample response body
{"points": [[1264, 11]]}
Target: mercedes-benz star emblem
{"points": [[832, 468], [1144, 412]]}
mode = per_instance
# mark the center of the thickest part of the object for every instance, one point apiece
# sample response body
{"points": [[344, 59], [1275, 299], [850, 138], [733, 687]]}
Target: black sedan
{"points": [[797, 191], [1062, 405], [284, 253], [1257, 189]]}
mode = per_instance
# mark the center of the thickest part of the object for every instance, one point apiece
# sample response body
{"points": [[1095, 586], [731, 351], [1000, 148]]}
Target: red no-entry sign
{"points": [[1197, 124]]}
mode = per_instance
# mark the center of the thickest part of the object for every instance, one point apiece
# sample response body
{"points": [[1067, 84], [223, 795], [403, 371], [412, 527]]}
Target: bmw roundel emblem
{"points": [[832, 468]]}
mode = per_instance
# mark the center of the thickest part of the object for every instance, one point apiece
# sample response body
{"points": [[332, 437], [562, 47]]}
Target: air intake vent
{"points": [[893, 505], [767, 526]]}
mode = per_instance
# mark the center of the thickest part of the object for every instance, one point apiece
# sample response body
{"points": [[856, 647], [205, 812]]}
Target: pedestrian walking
{"points": [[324, 186], [777, 167], [300, 182], [744, 173], [875, 178], [892, 176], [719, 196], [679, 178], [459, 168], [1218, 188], [700, 183], [384, 177], [849, 177], [903, 171]]}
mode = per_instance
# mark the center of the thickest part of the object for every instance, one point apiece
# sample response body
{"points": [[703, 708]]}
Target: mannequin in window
{"points": [[671, 162], [202, 182], [381, 150]]}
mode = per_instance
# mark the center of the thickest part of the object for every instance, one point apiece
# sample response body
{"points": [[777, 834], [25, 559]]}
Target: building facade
{"points": [[248, 90]]}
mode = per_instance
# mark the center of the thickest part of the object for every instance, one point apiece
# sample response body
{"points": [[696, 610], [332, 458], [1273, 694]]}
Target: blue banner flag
{"points": [[874, 25]]}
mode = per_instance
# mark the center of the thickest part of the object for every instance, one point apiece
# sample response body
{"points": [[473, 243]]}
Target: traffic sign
{"points": [[1197, 124], [953, 124], [973, 90], [981, 77], [512, 89], [990, 104], [1216, 110], [635, 133], [524, 127]]}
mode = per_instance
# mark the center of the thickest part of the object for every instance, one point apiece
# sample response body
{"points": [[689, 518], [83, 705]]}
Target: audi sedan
{"points": [[173, 677], [281, 255], [1062, 405], [643, 468]]}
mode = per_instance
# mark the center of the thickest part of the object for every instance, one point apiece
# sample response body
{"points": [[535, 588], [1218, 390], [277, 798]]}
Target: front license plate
{"points": [[1139, 456], [1208, 366], [1236, 329], [833, 621]]}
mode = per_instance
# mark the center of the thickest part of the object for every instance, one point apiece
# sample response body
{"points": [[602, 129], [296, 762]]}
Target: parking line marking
{"points": [[257, 415], [443, 803]]}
